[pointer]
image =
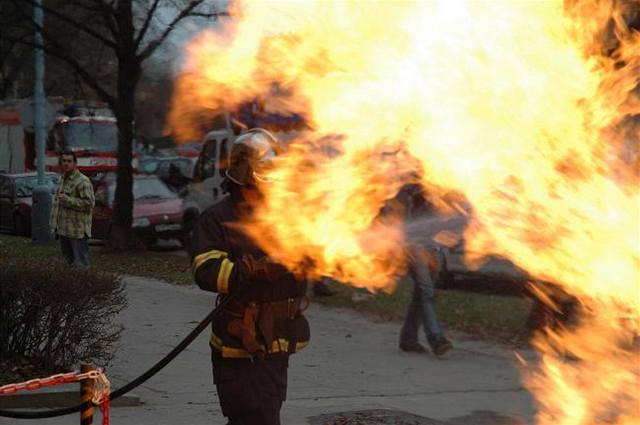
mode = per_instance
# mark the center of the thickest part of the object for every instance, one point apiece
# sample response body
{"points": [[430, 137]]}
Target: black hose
{"points": [[131, 385]]}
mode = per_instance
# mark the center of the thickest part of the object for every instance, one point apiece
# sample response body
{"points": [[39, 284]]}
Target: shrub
{"points": [[56, 315]]}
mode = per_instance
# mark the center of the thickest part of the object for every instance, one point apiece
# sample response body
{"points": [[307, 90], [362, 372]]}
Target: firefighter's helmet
{"points": [[251, 156]]}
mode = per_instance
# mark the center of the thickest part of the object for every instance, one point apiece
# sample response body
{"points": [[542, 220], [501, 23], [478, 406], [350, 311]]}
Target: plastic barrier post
{"points": [[86, 394]]}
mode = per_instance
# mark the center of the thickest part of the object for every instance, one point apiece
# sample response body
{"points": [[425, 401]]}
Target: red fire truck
{"points": [[94, 139], [91, 132]]}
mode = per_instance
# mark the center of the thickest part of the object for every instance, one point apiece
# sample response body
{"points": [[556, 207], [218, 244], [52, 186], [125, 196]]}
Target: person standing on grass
{"points": [[71, 210]]}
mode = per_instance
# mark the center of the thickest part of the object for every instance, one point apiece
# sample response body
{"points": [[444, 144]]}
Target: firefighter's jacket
{"points": [[218, 247]]}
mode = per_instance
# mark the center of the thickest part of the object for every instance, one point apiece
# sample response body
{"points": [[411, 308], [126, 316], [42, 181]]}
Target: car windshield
{"points": [[147, 188], [148, 166], [25, 185], [100, 136], [184, 165]]}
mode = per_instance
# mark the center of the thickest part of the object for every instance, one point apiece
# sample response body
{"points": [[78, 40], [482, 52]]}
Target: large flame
{"points": [[525, 107]]}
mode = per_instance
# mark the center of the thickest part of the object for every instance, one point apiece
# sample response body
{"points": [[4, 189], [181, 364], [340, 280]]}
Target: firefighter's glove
{"points": [[263, 268]]}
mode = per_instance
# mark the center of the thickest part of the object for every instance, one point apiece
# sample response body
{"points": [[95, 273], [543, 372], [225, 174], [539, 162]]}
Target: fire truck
{"points": [[88, 129], [14, 141], [94, 139]]}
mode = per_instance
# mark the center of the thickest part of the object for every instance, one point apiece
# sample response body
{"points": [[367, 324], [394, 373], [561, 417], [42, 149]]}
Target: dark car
{"points": [[175, 171], [157, 211], [160, 165], [15, 200]]}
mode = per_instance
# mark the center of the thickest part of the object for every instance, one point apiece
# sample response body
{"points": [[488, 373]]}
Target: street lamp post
{"points": [[42, 192]]}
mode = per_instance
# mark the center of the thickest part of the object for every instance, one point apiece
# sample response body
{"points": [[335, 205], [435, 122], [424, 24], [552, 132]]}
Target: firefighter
{"points": [[261, 322]]}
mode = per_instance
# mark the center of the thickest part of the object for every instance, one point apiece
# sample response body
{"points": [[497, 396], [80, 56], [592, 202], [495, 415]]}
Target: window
{"points": [[149, 166], [145, 188], [163, 169], [224, 157], [151, 188], [181, 164], [184, 165], [208, 165], [25, 185], [96, 135]]}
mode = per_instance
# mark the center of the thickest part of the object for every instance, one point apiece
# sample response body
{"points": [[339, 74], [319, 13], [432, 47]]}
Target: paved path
{"points": [[352, 363]]}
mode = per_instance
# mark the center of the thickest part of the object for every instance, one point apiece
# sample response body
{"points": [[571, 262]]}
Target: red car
{"points": [[157, 211], [15, 200]]}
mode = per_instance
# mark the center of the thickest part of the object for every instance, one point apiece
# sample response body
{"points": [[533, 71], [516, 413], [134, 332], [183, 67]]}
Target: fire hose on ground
{"points": [[131, 385]]}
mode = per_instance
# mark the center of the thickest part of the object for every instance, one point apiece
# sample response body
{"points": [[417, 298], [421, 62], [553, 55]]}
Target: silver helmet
{"points": [[251, 156]]}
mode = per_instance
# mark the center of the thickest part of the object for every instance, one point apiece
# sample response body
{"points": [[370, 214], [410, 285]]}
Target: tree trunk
{"points": [[120, 236]]}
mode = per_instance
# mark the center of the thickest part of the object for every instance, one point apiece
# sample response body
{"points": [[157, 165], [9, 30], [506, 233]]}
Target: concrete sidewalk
{"points": [[351, 364]]}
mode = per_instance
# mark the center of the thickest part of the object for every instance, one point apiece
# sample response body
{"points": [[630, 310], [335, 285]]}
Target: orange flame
{"points": [[525, 107]]}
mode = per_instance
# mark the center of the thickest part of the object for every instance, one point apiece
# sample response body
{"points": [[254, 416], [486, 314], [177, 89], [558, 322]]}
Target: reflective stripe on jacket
{"points": [[280, 345], [218, 245]]}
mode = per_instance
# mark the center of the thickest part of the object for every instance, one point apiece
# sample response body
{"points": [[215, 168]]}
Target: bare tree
{"points": [[132, 32], [14, 54]]}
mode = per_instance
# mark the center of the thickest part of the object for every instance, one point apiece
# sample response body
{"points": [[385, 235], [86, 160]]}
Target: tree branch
{"points": [[15, 67], [186, 12], [88, 30], [107, 16], [210, 15], [58, 52], [145, 25], [6, 53]]}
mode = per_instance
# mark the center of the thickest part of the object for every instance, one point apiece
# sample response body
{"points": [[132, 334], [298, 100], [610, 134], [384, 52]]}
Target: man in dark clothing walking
{"points": [[262, 322], [424, 266], [421, 310]]}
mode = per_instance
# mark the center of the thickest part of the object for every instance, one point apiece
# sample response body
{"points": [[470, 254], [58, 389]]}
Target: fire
{"points": [[524, 107]]}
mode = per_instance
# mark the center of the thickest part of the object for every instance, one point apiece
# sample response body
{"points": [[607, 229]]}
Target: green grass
{"points": [[498, 317], [172, 268]]}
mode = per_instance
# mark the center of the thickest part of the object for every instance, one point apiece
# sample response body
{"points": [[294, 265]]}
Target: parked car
{"points": [[175, 171], [15, 200], [492, 267], [157, 211]]}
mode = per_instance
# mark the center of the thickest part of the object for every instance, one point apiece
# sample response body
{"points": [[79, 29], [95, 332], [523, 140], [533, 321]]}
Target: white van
{"points": [[208, 175], [210, 168]]}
